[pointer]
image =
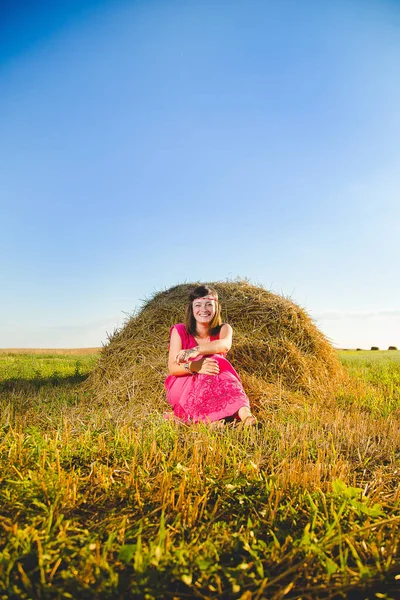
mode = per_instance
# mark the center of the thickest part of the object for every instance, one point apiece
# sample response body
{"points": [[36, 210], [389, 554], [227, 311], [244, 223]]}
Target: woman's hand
{"points": [[184, 355], [210, 366]]}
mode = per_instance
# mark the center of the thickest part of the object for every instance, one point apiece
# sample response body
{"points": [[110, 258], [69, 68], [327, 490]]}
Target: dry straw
{"points": [[278, 351]]}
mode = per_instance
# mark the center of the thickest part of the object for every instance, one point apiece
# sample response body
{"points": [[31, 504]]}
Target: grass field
{"points": [[96, 504]]}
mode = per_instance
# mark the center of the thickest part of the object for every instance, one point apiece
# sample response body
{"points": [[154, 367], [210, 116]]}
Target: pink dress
{"points": [[205, 397]]}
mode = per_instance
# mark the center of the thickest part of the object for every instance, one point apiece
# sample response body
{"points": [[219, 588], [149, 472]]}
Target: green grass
{"points": [[44, 366], [95, 504], [369, 356], [380, 370]]}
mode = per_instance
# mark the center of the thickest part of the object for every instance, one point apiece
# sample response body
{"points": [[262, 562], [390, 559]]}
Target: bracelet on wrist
{"points": [[188, 369]]}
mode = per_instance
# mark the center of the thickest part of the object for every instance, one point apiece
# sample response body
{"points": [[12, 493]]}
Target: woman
{"points": [[202, 384]]}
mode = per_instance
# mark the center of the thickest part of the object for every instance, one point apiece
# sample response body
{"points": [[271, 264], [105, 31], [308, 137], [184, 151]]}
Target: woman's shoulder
{"points": [[180, 327], [223, 326], [224, 329], [181, 330]]}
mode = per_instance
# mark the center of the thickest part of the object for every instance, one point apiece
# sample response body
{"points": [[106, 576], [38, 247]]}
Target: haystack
{"points": [[277, 349]]}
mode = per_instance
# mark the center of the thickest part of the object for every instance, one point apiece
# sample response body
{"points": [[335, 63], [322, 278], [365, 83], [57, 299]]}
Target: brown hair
{"points": [[199, 292]]}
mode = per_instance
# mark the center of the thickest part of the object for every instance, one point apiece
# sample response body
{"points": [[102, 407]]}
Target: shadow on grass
{"points": [[23, 386]]}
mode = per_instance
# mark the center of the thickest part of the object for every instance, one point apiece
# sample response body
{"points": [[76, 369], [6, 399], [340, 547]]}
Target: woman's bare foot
{"points": [[250, 421], [217, 425], [247, 418]]}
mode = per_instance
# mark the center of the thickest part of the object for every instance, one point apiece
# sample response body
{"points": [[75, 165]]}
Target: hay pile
{"points": [[277, 349]]}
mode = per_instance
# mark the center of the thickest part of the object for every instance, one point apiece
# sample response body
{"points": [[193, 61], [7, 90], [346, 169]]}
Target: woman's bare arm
{"points": [[202, 365], [175, 346], [220, 346], [203, 348]]}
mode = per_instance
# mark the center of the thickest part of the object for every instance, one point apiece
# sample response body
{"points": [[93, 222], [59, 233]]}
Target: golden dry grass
{"points": [[98, 504], [51, 351]]}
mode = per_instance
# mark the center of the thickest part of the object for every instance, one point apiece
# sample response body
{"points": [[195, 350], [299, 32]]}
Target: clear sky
{"points": [[146, 143]]}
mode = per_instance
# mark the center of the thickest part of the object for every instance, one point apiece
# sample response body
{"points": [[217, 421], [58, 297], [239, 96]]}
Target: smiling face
{"points": [[204, 309]]}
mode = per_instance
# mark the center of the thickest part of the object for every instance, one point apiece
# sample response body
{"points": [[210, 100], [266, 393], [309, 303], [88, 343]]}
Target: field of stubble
{"points": [[97, 505]]}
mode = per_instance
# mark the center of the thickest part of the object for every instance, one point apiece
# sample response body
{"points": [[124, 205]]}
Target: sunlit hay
{"points": [[277, 350]]}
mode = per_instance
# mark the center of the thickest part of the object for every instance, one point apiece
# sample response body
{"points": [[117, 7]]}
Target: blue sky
{"points": [[148, 143]]}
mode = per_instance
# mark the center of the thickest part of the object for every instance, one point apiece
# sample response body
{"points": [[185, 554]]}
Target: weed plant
{"points": [[96, 503]]}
